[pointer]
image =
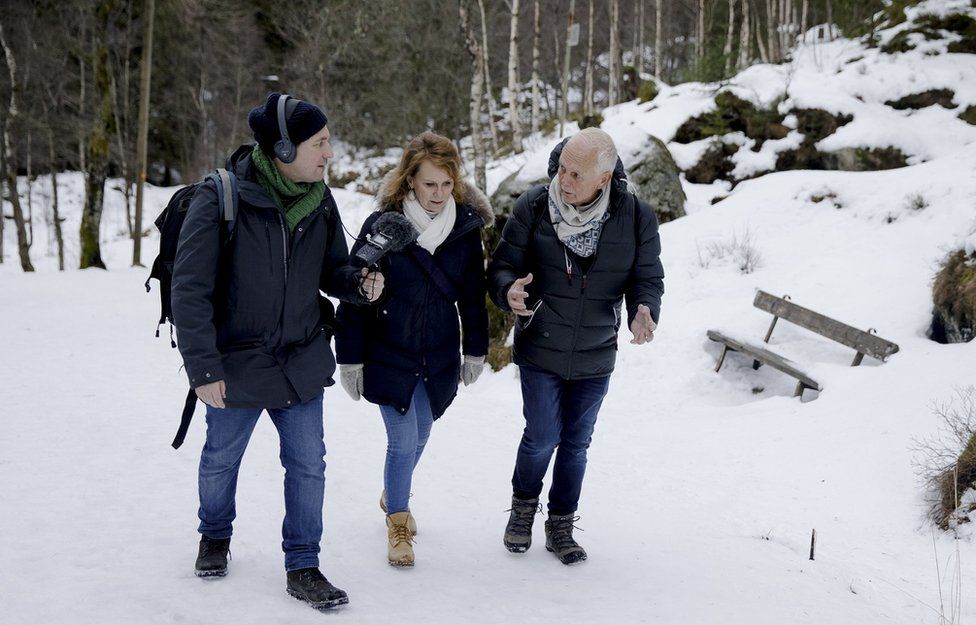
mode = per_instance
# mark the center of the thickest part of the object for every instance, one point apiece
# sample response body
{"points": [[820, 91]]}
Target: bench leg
{"points": [[800, 386], [725, 350], [857, 359], [769, 332]]}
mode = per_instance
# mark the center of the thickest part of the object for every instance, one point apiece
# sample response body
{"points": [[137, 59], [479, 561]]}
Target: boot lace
{"points": [[401, 533], [521, 522], [561, 533]]}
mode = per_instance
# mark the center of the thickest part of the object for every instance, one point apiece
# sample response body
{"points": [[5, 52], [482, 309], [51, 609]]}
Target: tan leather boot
{"points": [[400, 547], [411, 523]]}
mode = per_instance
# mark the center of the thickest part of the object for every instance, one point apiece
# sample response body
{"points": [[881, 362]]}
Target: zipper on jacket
{"points": [[285, 246], [267, 233], [579, 322]]}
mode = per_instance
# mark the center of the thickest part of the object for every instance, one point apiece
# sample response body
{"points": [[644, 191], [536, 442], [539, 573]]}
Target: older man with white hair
{"points": [[570, 254]]}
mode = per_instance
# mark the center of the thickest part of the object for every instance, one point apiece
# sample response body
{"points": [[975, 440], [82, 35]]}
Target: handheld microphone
{"points": [[391, 233]]}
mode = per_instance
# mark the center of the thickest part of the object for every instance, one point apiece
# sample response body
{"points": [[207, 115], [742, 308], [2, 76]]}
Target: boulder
{"points": [[657, 181]]}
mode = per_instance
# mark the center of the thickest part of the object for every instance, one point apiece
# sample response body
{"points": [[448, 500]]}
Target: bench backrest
{"points": [[863, 342]]}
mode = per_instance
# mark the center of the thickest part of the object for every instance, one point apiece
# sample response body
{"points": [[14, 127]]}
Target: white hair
{"points": [[596, 140]]}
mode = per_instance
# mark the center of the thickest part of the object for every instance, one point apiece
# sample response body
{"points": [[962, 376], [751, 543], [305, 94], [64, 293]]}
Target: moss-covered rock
{"points": [[942, 97], [594, 120], [934, 27], [656, 177], [956, 482], [630, 84], [899, 43], [816, 124], [647, 91], [716, 163], [503, 199], [957, 23], [969, 115], [733, 114], [867, 159], [499, 326], [954, 299], [847, 159]]}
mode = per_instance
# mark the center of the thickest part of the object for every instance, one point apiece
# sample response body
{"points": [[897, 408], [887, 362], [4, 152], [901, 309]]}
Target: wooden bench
{"points": [[862, 342]]}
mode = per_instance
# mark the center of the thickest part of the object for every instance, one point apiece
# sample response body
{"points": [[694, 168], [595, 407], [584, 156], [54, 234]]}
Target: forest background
{"points": [[74, 74]]}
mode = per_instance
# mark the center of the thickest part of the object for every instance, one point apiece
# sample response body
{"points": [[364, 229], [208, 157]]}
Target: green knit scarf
{"points": [[296, 199]]}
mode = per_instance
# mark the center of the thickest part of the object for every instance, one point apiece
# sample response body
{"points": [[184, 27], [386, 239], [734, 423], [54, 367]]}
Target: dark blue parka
{"points": [[573, 333], [413, 334], [250, 314]]}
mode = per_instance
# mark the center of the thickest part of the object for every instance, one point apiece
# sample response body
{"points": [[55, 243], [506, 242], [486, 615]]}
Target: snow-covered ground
{"points": [[702, 490]]}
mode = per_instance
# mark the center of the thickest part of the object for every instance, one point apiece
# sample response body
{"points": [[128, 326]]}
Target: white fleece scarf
{"points": [[578, 227], [433, 228]]}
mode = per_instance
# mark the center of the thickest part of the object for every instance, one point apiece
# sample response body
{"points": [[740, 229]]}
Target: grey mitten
{"points": [[471, 369], [351, 378]]}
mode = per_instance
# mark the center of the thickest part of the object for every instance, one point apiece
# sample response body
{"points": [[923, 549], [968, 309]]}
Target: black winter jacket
{"points": [[573, 333], [251, 314], [413, 334]]}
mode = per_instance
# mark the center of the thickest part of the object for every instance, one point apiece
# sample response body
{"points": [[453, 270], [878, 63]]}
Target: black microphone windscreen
{"points": [[398, 228]]}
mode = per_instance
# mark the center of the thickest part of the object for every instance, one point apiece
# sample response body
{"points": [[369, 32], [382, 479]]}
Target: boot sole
{"points": [[400, 565], [574, 558], [319, 605], [517, 548], [210, 574]]}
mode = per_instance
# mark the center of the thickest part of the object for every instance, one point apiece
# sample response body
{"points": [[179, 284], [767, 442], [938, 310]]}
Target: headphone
{"points": [[284, 149]]}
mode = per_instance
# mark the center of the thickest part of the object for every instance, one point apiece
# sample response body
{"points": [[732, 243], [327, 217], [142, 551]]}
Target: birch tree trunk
{"points": [[55, 207], [145, 78], [658, 39], [640, 42], [727, 50], [23, 247], [700, 40], [536, 80], [744, 37], [588, 74], [760, 40], [614, 83], [513, 106], [804, 13], [477, 83], [489, 92], [830, 20], [564, 108], [771, 20]]}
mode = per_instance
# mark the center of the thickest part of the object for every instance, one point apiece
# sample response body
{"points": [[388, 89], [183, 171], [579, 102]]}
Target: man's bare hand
{"points": [[213, 394], [517, 294], [371, 284], [643, 326]]}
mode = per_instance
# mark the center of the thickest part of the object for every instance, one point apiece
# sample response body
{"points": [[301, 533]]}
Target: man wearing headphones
{"points": [[253, 329]]}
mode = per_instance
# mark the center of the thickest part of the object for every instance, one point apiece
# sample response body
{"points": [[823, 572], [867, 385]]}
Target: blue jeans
{"points": [[302, 445], [406, 436], [559, 414]]}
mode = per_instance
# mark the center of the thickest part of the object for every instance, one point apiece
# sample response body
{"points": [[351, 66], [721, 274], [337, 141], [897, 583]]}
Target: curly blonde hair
{"points": [[427, 146]]}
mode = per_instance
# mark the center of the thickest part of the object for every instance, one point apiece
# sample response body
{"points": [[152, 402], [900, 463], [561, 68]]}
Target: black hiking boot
{"points": [[518, 532], [559, 539], [310, 586], [212, 557]]}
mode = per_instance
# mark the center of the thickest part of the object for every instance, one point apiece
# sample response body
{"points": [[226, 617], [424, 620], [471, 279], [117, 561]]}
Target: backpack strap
{"points": [[433, 269], [188, 406], [226, 184]]}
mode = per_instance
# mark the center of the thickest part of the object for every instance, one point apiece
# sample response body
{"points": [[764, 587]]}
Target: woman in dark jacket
{"points": [[405, 353]]}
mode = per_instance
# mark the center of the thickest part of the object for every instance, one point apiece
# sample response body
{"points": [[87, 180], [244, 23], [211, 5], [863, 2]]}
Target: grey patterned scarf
{"points": [[578, 228]]}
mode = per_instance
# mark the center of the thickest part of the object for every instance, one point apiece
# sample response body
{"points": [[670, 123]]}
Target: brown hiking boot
{"points": [[560, 541], [518, 531], [411, 522], [400, 540]]}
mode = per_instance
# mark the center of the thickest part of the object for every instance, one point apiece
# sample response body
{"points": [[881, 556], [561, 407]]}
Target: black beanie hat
{"points": [[306, 120]]}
